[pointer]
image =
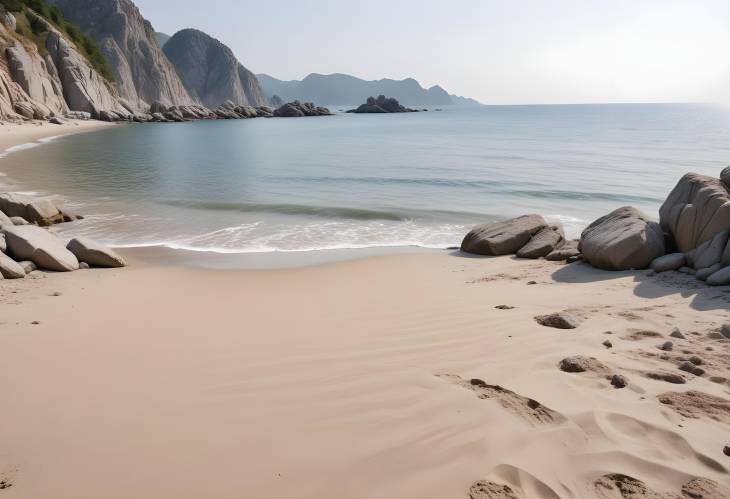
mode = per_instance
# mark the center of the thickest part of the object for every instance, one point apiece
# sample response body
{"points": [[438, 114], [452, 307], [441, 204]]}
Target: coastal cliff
{"points": [[210, 71]]}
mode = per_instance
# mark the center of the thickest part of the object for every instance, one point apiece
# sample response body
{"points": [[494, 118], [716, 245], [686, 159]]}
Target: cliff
{"points": [[210, 71], [142, 72]]}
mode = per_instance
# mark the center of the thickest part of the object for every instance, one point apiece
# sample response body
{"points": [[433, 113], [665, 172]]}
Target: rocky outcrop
{"points": [[382, 104], [298, 109], [95, 254], [622, 240], [29, 242], [38, 78], [503, 238], [142, 72], [210, 71]]}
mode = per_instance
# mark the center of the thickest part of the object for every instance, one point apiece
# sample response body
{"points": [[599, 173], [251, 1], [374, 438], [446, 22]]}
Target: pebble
{"points": [[607, 344], [531, 283], [619, 381], [696, 360], [558, 321], [667, 346], [504, 307], [726, 450], [676, 333]]}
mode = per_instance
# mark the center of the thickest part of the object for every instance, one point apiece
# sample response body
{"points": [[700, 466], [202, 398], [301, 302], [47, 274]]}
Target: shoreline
{"points": [[347, 379], [14, 134]]}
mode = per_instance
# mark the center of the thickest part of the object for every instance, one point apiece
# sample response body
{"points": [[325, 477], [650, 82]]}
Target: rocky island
{"points": [[382, 104]]}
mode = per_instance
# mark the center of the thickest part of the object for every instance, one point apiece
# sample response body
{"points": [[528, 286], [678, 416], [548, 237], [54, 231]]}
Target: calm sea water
{"points": [[358, 181]]}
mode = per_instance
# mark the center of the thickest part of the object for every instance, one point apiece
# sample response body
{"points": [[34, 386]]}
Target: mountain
{"points": [[464, 101], [49, 69], [162, 38], [142, 72], [210, 71], [342, 89]]}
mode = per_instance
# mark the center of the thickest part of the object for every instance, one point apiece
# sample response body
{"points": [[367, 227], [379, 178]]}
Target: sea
{"points": [[348, 181]]}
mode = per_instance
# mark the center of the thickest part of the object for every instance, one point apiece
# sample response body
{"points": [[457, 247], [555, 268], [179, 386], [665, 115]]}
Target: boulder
{"points": [[708, 253], [40, 211], [696, 210], [502, 238], [569, 249], [622, 240], [725, 177], [4, 220], [703, 274], [39, 246], [28, 266], [543, 243], [559, 320], [19, 221], [9, 268], [94, 253], [665, 263], [298, 109], [720, 278]]}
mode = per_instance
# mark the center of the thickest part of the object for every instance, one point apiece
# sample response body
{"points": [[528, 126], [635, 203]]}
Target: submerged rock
{"points": [[622, 240]]}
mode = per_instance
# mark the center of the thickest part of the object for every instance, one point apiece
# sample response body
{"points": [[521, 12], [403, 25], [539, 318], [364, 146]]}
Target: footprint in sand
{"points": [[530, 410], [490, 490], [618, 486], [695, 405]]}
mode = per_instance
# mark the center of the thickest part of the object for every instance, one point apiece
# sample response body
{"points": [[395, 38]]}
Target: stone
{"points": [[703, 274], [667, 346], [665, 263], [9, 268], [559, 320], [39, 246], [725, 330], [696, 360], [676, 333], [298, 109], [504, 307], [696, 210], [687, 270], [619, 381], [691, 368], [502, 238], [580, 364], [5, 220], [28, 266], [95, 254], [622, 240], [84, 266], [19, 221], [607, 344], [3, 244], [726, 450], [543, 243], [39, 211], [381, 105], [569, 249], [720, 278], [708, 253]]}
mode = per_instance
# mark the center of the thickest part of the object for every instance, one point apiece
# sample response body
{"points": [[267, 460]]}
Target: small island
{"points": [[382, 104]]}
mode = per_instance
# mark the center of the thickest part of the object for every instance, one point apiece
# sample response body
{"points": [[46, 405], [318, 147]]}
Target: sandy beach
{"points": [[351, 380], [13, 135]]}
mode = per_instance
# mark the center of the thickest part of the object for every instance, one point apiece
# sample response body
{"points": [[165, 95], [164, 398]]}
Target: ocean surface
{"points": [[367, 181]]}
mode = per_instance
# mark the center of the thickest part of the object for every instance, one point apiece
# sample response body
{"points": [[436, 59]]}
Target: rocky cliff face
{"points": [[35, 86], [142, 72], [211, 72]]}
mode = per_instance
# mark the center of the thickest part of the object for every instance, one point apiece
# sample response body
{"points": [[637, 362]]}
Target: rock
{"points": [[696, 360], [28, 266], [298, 109], [504, 307], [668, 377], [157, 107], [3, 244], [19, 221], [5, 220], [696, 210], [726, 450], [77, 115], [720, 278], [543, 243], [94, 253], [39, 246], [568, 250], [382, 104], [607, 344], [691, 368], [31, 72], [622, 240], [708, 253], [211, 72], [667, 346], [669, 262], [84, 266], [580, 364], [9, 268], [687, 270], [703, 274], [559, 320], [56, 121], [619, 381], [502, 238], [39, 211], [676, 333], [725, 330]]}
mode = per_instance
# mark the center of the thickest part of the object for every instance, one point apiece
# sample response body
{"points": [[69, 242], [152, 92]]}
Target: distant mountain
{"points": [[162, 38], [210, 71], [341, 89]]}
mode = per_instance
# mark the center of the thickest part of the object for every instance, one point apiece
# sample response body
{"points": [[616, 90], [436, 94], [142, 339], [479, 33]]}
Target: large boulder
{"points": [[696, 210], [40, 211], [29, 242], [622, 240], [9, 268], [503, 238], [95, 254], [543, 243], [708, 253]]}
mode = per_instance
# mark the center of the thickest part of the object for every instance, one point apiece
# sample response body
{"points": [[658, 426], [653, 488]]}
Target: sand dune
{"points": [[389, 377]]}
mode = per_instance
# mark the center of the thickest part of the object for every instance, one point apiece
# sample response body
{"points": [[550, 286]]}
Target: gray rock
{"points": [[695, 211], [580, 364], [502, 238], [676, 333], [211, 72], [689, 367], [77, 115], [569, 249], [720, 278], [39, 211], [687, 270], [28, 266], [39, 246], [703, 274], [667, 346], [298, 109], [708, 253], [543, 243], [559, 320], [9, 268], [622, 240], [696, 360], [607, 344], [619, 381], [725, 330], [95, 254], [669, 262]]}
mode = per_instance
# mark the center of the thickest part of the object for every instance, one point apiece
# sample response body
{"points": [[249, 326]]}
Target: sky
{"points": [[497, 51]]}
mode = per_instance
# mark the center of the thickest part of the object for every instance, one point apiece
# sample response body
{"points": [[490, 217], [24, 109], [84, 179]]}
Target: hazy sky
{"points": [[500, 52]]}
